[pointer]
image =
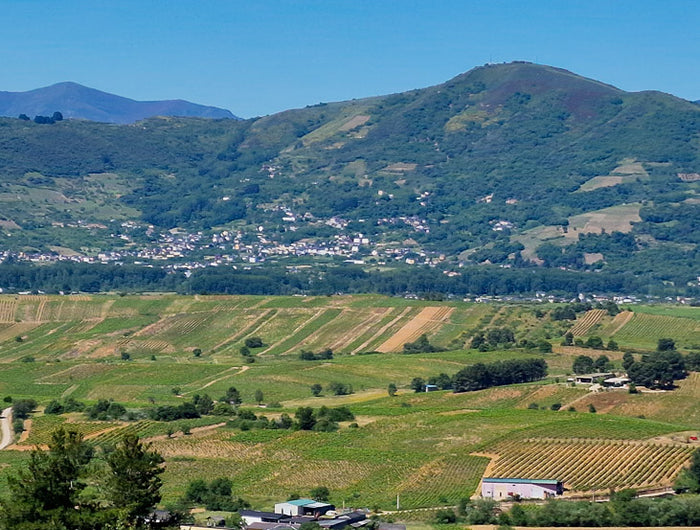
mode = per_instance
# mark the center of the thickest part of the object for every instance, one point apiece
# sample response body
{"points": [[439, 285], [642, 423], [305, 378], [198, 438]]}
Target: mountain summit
{"points": [[81, 102]]}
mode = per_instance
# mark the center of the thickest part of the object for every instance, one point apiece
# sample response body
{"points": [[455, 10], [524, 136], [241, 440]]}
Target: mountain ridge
{"points": [[513, 164], [77, 101]]}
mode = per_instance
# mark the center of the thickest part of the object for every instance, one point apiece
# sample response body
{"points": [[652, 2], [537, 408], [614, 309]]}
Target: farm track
{"points": [[427, 320], [241, 369]]}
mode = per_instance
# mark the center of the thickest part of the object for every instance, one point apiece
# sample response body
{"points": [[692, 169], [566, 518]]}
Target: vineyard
{"points": [[584, 324], [425, 448], [590, 464], [644, 330], [429, 319]]}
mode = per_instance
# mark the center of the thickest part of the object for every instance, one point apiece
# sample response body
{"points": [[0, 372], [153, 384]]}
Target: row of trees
{"points": [[270, 280], [483, 375]]}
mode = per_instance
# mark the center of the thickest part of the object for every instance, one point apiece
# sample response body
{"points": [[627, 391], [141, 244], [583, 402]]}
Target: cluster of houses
{"points": [[290, 515], [605, 379]]}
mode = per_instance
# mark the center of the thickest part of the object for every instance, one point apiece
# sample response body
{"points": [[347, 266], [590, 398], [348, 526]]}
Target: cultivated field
{"points": [[428, 448]]}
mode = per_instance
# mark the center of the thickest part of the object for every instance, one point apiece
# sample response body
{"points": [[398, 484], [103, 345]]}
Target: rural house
{"points": [[524, 488]]}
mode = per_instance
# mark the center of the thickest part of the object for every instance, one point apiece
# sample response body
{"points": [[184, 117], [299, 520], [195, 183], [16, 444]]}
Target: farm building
{"points": [[588, 379], [253, 516], [524, 488], [616, 382], [303, 507]]}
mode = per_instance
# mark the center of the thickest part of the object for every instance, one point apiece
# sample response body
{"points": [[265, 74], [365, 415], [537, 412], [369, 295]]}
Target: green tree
{"points": [[254, 342], [666, 345], [627, 360], [320, 494], [133, 485], [46, 493], [689, 478], [418, 384], [316, 389], [305, 418], [232, 396], [22, 408], [259, 396], [583, 364], [391, 389], [595, 342]]}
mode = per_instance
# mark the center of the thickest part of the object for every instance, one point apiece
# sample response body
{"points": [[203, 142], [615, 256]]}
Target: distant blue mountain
{"points": [[77, 101]]}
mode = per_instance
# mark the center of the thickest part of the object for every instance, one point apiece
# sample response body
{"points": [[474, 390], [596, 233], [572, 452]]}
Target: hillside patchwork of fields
{"points": [[430, 448]]}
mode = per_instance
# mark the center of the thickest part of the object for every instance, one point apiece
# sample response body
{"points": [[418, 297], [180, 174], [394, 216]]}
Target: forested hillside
{"points": [[517, 165]]}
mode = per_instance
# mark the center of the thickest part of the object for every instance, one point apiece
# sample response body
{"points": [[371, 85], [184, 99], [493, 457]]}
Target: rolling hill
{"points": [[513, 164], [80, 102]]}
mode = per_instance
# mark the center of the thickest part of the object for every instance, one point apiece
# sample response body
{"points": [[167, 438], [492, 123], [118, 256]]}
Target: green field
{"points": [[431, 449]]}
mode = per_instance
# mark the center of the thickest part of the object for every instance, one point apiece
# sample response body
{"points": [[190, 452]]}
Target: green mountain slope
{"points": [[500, 164]]}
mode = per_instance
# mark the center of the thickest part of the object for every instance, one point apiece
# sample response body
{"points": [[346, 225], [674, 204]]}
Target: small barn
{"points": [[523, 488]]}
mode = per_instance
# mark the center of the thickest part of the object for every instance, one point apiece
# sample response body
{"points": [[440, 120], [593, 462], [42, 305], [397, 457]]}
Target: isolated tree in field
{"points": [[22, 408], [316, 389], [232, 396], [568, 339], [259, 396], [391, 389], [666, 345], [133, 484]]}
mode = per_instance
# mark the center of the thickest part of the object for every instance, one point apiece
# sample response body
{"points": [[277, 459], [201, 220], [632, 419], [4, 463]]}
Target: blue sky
{"points": [[262, 56]]}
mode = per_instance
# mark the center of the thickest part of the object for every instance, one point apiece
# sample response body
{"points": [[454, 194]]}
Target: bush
{"points": [[54, 407], [445, 517], [22, 408], [254, 342]]}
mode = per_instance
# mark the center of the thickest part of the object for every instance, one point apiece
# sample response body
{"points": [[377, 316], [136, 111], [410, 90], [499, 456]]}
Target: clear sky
{"points": [[257, 57]]}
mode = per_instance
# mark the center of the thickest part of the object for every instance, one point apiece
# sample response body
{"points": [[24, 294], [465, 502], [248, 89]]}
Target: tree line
{"points": [[274, 280], [479, 376]]}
